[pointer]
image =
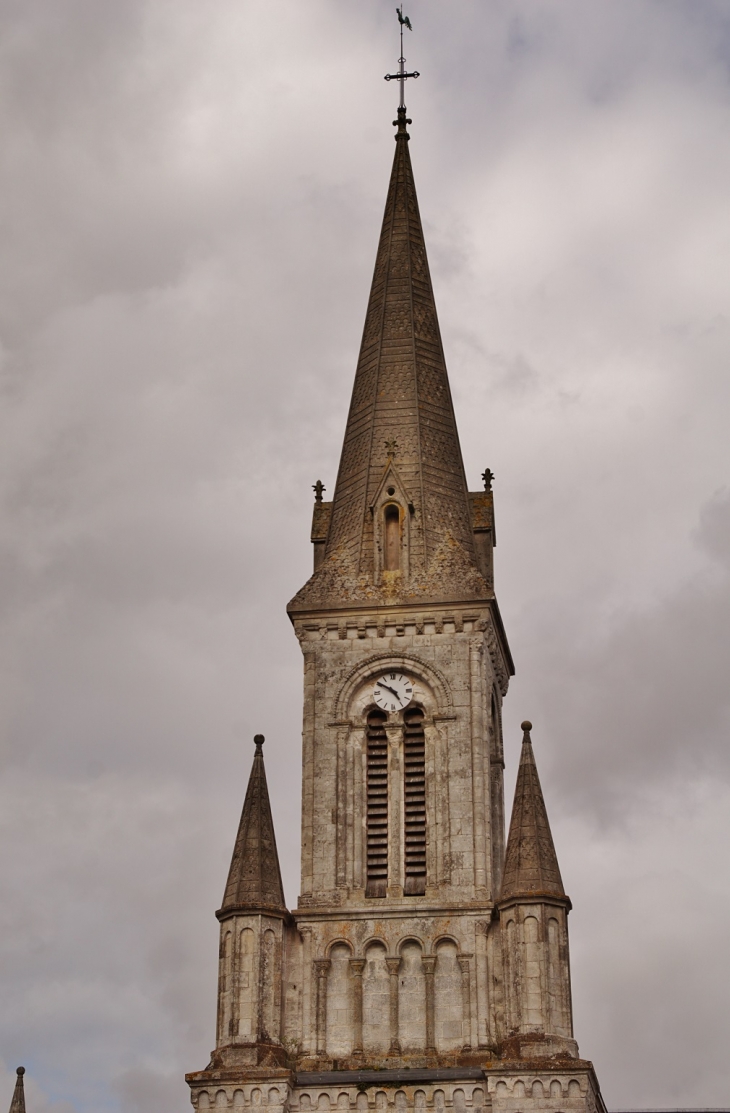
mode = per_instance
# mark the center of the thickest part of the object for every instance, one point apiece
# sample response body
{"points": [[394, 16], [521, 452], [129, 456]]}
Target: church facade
{"points": [[426, 965]]}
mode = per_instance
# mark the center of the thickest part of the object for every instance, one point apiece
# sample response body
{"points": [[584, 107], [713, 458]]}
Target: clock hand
{"points": [[388, 689]]}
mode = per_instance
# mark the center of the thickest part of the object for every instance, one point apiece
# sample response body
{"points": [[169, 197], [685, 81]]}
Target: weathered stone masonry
{"points": [[426, 966]]}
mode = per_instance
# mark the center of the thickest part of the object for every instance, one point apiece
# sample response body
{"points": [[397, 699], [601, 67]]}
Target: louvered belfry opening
{"points": [[414, 794], [377, 804]]}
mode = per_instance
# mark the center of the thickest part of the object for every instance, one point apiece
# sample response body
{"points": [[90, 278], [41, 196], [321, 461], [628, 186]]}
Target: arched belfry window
{"points": [[414, 796], [377, 805], [391, 562]]}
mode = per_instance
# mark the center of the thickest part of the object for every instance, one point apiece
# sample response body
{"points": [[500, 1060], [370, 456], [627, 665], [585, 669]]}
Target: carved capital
{"points": [[357, 966], [321, 967], [429, 964], [393, 965]]}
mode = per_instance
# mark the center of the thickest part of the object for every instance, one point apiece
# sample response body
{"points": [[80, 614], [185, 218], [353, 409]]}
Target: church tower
{"points": [[425, 967]]}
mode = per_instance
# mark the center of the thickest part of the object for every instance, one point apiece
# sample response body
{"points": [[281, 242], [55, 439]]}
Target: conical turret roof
{"points": [[17, 1105], [254, 879], [531, 864], [401, 425]]}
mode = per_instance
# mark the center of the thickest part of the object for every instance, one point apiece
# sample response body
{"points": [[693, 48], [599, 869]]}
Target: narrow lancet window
{"points": [[377, 805], [392, 539], [414, 794]]}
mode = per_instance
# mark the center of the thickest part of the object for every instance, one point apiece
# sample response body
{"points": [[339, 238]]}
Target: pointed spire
{"points": [[254, 879], [17, 1105], [531, 864], [401, 396]]}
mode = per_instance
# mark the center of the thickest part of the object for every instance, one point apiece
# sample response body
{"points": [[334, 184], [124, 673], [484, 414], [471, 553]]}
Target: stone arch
{"points": [[419, 1100], [458, 1101], [538, 1090], [203, 1100], [477, 1097], [556, 1089], [518, 1090], [323, 1102], [410, 939], [270, 977], [239, 1099], [573, 1088], [373, 940], [376, 998], [272, 1096], [449, 1010], [338, 942], [339, 1001], [411, 995], [221, 1100], [533, 1011], [361, 1103], [343, 1100], [408, 662], [247, 981], [446, 939]]}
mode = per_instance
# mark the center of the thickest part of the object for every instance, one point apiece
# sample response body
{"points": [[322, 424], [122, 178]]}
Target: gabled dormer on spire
{"points": [[401, 411]]}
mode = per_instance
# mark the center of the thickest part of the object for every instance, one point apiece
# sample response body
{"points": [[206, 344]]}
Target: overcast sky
{"points": [[190, 204]]}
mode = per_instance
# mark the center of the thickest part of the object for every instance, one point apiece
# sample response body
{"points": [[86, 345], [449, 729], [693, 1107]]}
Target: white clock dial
{"points": [[393, 691]]}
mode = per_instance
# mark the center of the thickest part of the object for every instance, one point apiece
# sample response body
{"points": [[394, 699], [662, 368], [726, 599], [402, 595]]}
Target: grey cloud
{"points": [[190, 211]]}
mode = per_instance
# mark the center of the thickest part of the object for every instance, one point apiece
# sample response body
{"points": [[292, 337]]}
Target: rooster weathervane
{"points": [[402, 76]]}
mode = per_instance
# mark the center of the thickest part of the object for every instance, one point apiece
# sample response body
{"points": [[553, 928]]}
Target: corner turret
{"points": [[253, 919], [533, 915]]}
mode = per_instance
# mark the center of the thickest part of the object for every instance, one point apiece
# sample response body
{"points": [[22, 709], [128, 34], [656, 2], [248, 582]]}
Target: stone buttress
{"points": [[422, 969]]}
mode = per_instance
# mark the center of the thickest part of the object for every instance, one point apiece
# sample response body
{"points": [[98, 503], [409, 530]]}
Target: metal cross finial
{"points": [[318, 488], [402, 76], [487, 476]]}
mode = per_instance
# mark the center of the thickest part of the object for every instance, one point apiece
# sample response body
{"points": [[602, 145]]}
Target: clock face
{"points": [[393, 691]]}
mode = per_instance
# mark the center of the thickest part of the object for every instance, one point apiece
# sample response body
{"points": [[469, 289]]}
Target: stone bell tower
{"points": [[424, 967]]}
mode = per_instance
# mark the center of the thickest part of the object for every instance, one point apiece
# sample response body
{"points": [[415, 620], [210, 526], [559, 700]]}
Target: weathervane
{"points": [[402, 76]]}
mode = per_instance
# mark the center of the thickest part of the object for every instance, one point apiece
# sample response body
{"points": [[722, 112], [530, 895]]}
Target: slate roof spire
{"points": [[254, 879], [17, 1105], [531, 864], [402, 415]]}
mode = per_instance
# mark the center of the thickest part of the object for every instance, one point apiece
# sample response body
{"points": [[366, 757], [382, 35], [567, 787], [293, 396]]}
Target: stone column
{"points": [[483, 1000], [429, 966], [321, 970], [393, 965], [357, 966], [308, 1024], [465, 967]]}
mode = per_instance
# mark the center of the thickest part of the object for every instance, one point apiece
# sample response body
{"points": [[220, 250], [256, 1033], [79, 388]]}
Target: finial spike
{"points": [[17, 1105], [258, 740]]}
